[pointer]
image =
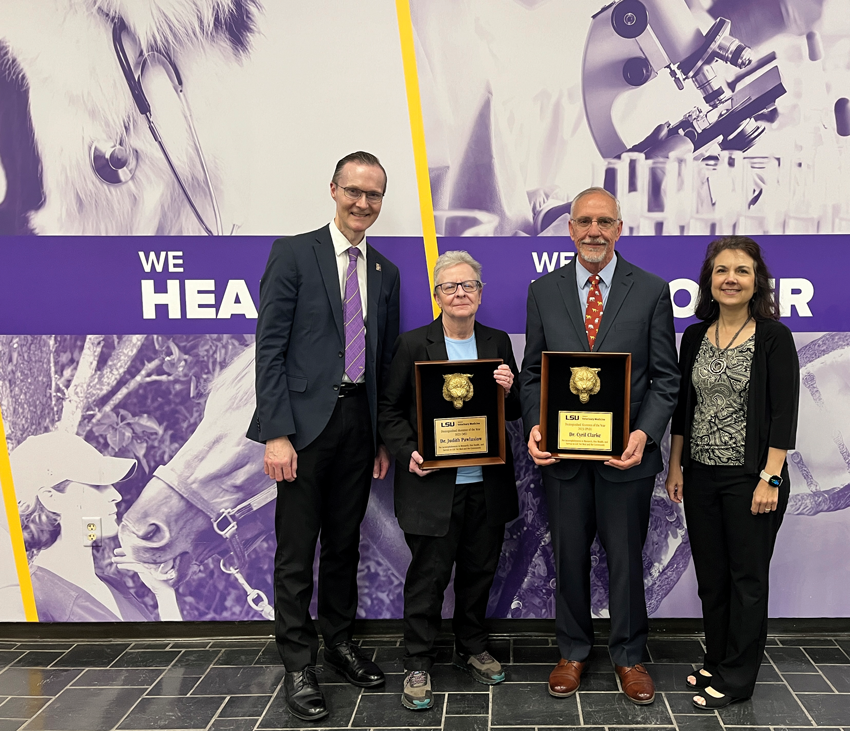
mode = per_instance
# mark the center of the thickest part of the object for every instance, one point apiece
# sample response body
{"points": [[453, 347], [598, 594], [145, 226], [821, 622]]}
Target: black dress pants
{"points": [[580, 508], [732, 549], [473, 547], [328, 497]]}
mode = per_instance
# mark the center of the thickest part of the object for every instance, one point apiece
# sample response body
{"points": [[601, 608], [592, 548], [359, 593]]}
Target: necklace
{"points": [[718, 365]]}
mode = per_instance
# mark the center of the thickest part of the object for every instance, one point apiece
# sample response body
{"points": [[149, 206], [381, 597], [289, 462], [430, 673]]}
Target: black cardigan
{"points": [[774, 393]]}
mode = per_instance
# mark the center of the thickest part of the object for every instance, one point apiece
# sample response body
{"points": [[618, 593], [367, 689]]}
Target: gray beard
{"points": [[593, 258]]}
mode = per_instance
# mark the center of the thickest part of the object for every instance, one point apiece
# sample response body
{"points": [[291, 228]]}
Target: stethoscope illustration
{"points": [[116, 163]]}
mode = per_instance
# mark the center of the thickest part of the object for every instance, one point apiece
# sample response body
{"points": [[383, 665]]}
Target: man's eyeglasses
{"points": [[356, 194], [604, 223], [470, 286]]}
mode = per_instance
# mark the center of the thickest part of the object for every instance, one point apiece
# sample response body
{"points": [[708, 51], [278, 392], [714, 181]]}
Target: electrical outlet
{"points": [[92, 532]]}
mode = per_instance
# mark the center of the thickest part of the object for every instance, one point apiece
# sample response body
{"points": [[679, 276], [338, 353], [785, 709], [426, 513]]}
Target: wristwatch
{"points": [[772, 480]]}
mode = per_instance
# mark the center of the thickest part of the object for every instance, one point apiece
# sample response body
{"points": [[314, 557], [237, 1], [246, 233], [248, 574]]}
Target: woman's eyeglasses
{"points": [[470, 286]]}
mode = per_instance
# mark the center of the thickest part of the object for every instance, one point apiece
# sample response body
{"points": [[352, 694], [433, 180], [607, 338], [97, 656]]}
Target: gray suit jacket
{"points": [[637, 319], [301, 341]]}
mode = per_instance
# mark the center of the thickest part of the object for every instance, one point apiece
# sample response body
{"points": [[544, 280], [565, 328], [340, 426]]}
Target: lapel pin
{"points": [[377, 266]]}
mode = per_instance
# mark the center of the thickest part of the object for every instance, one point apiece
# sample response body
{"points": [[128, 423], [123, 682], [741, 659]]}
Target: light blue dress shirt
{"points": [[464, 350], [606, 276]]}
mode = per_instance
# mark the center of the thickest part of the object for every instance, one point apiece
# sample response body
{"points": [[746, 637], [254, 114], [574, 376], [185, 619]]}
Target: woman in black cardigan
{"points": [[450, 516], [734, 423]]}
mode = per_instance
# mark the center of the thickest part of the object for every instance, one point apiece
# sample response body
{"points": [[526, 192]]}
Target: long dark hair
{"points": [[763, 305]]}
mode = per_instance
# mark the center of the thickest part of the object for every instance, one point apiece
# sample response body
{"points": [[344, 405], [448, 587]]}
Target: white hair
{"points": [[452, 258], [590, 191]]}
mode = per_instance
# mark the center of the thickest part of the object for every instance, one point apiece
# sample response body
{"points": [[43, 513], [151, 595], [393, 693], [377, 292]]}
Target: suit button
{"points": [[336, 388], [340, 354]]}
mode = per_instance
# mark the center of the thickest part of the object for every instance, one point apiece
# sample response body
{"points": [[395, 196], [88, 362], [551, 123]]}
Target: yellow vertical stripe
{"points": [[14, 519], [417, 132]]}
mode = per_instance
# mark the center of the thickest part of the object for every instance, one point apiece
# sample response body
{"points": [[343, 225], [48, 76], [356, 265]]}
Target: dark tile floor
{"points": [[235, 685]]}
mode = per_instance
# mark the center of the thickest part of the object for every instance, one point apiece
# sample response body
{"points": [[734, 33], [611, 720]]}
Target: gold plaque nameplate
{"points": [[464, 435], [585, 430]]}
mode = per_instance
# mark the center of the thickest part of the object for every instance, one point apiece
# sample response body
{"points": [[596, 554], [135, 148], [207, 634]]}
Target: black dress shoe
{"points": [[348, 660], [303, 695]]}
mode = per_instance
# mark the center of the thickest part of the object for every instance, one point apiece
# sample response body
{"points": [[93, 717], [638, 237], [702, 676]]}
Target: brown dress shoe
{"points": [[565, 679], [637, 685]]}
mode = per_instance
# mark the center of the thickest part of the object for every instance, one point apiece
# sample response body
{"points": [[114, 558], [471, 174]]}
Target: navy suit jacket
{"points": [[637, 319], [301, 341]]}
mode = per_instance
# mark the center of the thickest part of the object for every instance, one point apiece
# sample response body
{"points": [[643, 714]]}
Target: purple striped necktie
{"points": [[355, 329]]}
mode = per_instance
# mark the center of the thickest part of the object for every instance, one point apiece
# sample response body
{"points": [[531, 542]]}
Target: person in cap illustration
{"points": [[62, 483]]}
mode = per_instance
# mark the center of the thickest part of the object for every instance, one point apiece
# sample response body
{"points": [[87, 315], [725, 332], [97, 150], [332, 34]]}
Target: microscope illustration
{"points": [[630, 42]]}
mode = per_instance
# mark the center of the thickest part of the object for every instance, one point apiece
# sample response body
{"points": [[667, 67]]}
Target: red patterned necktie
{"points": [[593, 313]]}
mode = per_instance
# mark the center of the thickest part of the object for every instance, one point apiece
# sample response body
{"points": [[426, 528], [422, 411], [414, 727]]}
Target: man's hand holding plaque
{"points": [[633, 454]]}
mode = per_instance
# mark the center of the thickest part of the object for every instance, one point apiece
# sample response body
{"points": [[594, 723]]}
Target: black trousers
{"points": [[732, 549], [473, 547], [328, 497], [619, 512]]}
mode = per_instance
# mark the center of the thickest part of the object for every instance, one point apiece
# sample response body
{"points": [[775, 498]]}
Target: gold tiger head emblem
{"points": [[585, 382], [457, 388]]}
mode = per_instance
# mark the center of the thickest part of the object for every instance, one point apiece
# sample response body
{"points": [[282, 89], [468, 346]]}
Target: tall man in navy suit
{"points": [[329, 314], [586, 497]]}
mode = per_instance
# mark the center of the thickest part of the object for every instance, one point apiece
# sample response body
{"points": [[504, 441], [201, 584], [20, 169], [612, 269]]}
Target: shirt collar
{"points": [[606, 274], [342, 244]]}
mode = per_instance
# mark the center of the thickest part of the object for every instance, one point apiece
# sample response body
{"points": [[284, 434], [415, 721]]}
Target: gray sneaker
{"points": [[417, 691], [483, 667]]}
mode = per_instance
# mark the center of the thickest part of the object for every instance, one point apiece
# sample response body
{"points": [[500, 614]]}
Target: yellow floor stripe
{"points": [[417, 132], [12, 515]]}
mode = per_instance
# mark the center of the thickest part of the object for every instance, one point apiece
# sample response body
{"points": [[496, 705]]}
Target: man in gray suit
{"points": [[586, 497], [329, 313]]}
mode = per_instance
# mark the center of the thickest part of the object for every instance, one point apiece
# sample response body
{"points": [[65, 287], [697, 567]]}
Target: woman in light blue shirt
{"points": [[450, 516]]}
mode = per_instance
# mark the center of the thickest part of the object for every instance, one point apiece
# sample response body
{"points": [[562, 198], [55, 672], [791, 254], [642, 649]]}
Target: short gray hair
{"points": [[452, 258], [590, 191]]}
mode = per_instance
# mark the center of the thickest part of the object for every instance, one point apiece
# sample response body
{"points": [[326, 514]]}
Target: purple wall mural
{"points": [[178, 393], [123, 324]]}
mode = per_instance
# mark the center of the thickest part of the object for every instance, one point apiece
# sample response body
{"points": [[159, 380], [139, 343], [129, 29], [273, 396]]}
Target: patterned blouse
{"points": [[720, 419]]}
